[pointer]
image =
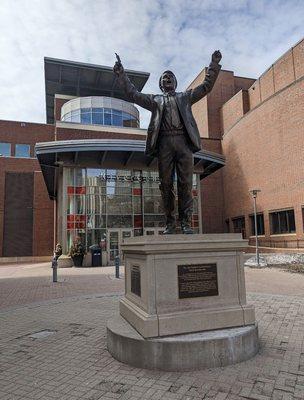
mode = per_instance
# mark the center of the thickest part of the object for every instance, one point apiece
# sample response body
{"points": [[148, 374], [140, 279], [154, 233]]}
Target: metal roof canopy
{"points": [[112, 154], [81, 79]]}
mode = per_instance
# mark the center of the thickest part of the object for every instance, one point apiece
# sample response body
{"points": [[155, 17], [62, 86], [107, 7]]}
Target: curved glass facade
{"points": [[100, 111]]}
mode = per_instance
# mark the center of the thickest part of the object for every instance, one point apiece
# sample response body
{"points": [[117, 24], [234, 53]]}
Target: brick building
{"points": [[92, 179], [262, 139]]}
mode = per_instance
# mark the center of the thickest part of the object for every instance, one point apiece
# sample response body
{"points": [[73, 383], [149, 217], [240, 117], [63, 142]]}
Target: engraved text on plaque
{"points": [[197, 280], [135, 280]]}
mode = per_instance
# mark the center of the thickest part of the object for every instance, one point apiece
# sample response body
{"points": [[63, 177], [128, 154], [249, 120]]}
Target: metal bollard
{"points": [[54, 267], [117, 262]]}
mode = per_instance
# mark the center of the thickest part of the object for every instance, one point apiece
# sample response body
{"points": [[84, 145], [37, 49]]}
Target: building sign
{"points": [[127, 178], [135, 280], [197, 280]]}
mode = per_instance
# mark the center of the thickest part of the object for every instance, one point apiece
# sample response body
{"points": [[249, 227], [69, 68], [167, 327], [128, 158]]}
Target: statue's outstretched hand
{"points": [[118, 68], [216, 56]]}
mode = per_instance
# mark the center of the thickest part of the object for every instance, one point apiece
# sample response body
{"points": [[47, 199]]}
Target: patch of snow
{"points": [[276, 259], [252, 262]]}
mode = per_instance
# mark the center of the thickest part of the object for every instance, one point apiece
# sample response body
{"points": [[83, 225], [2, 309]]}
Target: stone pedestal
{"points": [[181, 285]]}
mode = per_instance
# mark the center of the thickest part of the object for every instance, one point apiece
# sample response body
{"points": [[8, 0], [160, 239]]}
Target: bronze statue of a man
{"points": [[173, 136]]}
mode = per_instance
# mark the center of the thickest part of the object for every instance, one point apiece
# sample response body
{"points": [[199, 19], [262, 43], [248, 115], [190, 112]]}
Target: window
{"points": [[101, 116], [282, 222], [107, 116], [239, 226], [23, 150], [5, 149], [260, 224]]}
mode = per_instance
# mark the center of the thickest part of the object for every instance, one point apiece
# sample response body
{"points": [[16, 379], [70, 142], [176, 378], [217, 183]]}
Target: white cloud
{"points": [[149, 36]]}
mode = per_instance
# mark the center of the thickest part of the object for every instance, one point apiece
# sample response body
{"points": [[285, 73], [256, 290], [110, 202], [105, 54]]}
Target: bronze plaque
{"points": [[197, 280], [135, 280]]}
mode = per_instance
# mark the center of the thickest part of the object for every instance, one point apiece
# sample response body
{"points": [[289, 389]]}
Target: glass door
{"points": [[115, 238]]}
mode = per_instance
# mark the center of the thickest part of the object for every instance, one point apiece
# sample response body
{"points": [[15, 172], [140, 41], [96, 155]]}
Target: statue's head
{"points": [[167, 82]]}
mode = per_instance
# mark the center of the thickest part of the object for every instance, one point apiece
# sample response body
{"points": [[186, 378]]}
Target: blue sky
{"points": [[149, 35]]}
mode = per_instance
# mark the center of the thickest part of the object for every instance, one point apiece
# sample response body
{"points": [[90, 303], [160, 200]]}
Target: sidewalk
{"points": [[68, 358], [29, 283]]}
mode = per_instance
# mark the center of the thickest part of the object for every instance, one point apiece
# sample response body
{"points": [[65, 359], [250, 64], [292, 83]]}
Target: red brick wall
{"points": [[212, 194], [233, 110], [213, 203], [267, 84], [27, 133], [254, 94], [207, 112], [43, 218], [298, 59], [242, 83], [200, 109], [264, 150], [41, 204], [282, 73]]}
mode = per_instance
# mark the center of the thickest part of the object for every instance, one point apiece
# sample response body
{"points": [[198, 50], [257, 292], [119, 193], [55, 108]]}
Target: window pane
{"points": [[137, 205], [119, 204], [96, 204], [282, 222], [85, 118], [152, 220], [153, 205], [79, 204], [96, 221], [239, 226], [275, 228], [291, 221], [107, 118], [260, 224], [22, 150], [97, 118], [79, 177], [75, 116], [119, 221], [117, 112], [117, 120], [126, 120], [70, 205], [95, 236], [5, 149]]}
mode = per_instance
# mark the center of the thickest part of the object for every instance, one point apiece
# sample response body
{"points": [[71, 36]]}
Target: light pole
{"points": [[254, 193]]}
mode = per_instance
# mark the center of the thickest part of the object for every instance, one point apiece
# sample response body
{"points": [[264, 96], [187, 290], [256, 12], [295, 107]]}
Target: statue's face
{"points": [[167, 82]]}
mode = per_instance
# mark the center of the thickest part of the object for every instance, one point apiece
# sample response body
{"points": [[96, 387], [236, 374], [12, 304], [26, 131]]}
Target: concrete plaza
{"points": [[53, 341]]}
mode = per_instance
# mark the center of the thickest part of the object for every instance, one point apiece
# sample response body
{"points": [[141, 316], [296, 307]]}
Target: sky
{"points": [[149, 35]]}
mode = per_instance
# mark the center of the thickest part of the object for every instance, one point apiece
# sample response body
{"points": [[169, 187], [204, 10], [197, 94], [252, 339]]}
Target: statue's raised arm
{"points": [[133, 95], [213, 70]]}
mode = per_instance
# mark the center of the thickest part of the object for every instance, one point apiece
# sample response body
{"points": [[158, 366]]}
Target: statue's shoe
{"points": [[186, 229], [169, 230]]}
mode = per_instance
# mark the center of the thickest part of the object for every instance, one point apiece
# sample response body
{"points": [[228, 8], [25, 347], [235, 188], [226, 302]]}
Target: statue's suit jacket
{"points": [[184, 100]]}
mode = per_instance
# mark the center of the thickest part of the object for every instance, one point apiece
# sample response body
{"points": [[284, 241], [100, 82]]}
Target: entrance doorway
{"points": [[114, 240]]}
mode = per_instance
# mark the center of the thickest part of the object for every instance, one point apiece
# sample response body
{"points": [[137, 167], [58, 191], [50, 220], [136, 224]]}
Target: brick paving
{"points": [[28, 283], [71, 361]]}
